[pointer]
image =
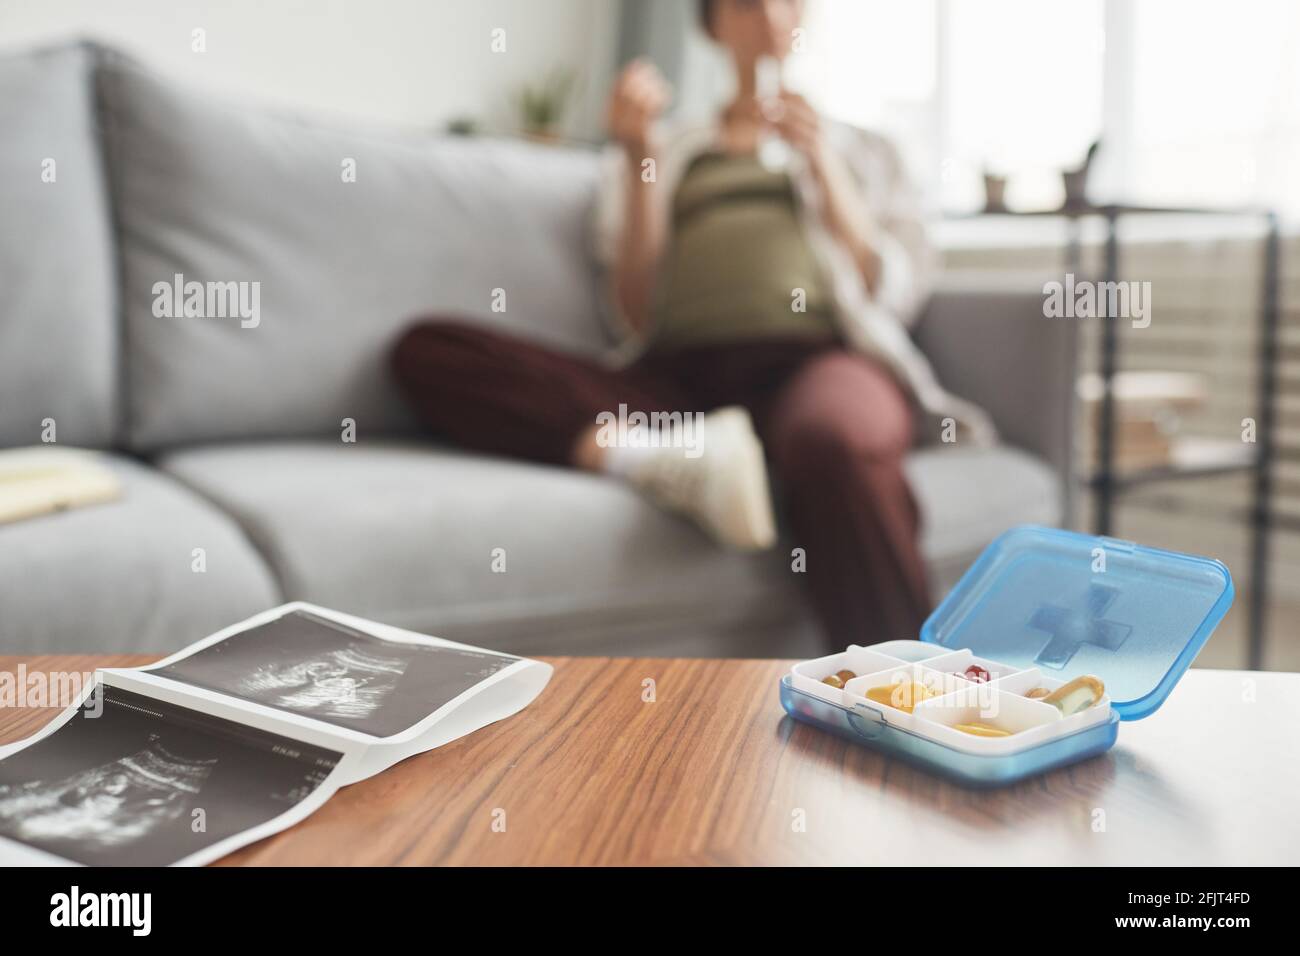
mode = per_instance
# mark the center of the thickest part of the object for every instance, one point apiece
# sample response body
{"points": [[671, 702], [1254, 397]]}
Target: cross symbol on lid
{"points": [[1071, 627]]}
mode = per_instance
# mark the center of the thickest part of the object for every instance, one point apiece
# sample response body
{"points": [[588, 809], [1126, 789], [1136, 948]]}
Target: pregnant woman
{"points": [[768, 286]]}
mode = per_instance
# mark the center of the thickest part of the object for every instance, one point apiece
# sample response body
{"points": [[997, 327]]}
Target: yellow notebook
{"points": [[41, 480]]}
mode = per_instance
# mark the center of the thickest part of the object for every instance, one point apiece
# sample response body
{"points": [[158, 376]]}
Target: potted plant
{"points": [[541, 106]]}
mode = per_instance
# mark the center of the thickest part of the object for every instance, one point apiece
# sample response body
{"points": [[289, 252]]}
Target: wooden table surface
{"points": [[712, 771]]}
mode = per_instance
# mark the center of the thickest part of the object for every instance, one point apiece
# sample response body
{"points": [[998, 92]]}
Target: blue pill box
{"points": [[1039, 607]]}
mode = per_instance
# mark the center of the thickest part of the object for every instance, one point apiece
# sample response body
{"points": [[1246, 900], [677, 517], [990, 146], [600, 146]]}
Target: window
{"points": [[1197, 102], [1215, 112]]}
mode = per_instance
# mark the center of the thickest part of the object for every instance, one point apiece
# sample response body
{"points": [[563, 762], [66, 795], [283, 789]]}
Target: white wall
{"points": [[420, 62]]}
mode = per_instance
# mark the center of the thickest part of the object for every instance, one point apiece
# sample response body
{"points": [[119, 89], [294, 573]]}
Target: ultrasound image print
{"points": [[315, 667], [345, 683], [123, 788], [110, 805]]}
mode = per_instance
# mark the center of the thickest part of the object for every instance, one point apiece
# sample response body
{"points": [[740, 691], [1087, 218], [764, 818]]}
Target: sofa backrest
{"points": [[314, 245], [58, 290]]}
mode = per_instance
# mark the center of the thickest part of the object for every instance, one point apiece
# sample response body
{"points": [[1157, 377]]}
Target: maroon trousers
{"points": [[834, 425]]}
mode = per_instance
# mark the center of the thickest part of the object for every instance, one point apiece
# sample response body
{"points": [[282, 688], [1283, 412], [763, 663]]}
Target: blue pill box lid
{"points": [[1070, 604]]}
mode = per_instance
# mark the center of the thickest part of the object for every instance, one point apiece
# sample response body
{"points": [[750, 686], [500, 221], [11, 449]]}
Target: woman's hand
{"points": [[794, 118], [639, 98], [798, 123]]}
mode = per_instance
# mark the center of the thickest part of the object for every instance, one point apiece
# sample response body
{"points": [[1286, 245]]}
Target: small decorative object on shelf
{"points": [[463, 126], [541, 107], [995, 192], [1075, 180]]}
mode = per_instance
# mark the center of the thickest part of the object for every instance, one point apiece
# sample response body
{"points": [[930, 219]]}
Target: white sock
{"points": [[621, 460]]}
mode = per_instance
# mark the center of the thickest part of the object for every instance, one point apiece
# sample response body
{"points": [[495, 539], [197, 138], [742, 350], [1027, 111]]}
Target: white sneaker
{"points": [[724, 490]]}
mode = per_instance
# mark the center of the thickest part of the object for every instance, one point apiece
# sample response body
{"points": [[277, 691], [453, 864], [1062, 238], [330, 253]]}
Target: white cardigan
{"points": [[873, 324]]}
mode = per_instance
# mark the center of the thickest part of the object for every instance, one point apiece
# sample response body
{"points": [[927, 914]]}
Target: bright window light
{"points": [[1196, 103]]}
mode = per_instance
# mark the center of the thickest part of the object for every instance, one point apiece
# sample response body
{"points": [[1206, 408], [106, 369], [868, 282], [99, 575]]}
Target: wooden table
{"points": [[711, 771]]}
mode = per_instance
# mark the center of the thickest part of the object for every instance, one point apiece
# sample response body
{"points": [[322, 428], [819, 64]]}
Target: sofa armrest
{"points": [[989, 342]]}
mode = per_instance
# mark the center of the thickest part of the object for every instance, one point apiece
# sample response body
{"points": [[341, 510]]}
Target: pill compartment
{"points": [[809, 676], [912, 651], [956, 662], [1028, 722], [935, 682], [1022, 681]]}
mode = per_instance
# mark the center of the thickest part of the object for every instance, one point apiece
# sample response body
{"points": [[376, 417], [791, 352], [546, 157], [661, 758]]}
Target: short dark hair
{"points": [[706, 9]]}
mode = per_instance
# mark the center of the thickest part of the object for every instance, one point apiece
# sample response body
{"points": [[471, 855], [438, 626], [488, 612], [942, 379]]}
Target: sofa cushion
{"points": [[58, 325], [120, 577], [406, 533], [968, 496], [221, 193]]}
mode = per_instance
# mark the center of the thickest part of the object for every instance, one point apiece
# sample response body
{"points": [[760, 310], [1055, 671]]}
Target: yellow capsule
{"points": [[834, 680], [1077, 695], [904, 696]]}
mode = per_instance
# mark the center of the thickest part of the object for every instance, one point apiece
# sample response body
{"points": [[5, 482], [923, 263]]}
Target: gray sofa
{"points": [[228, 438]]}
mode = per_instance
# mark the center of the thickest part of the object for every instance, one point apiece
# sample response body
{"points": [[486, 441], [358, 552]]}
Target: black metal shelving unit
{"points": [[1104, 481]]}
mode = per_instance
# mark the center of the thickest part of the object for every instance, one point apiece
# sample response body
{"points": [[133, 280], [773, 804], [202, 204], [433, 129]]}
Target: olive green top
{"points": [[737, 256]]}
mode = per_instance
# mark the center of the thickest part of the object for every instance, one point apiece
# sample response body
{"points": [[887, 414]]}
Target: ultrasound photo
{"points": [[146, 783], [315, 667]]}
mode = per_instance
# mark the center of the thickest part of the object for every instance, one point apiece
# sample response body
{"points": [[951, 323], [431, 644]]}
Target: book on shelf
{"points": [[1148, 414]]}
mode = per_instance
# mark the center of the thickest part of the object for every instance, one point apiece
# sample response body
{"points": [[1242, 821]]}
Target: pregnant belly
{"points": [[743, 265]]}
